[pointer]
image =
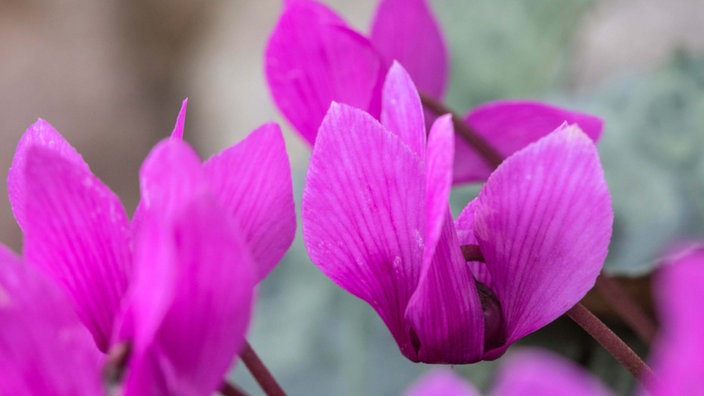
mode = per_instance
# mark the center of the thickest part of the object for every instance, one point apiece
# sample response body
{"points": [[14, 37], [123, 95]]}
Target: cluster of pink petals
{"points": [[313, 57], [677, 359], [376, 220], [176, 283]]}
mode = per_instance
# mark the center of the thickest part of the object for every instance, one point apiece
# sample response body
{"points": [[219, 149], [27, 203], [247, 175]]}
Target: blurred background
{"points": [[110, 76]]}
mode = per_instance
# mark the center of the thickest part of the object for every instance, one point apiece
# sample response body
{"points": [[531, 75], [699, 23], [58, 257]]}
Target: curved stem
{"points": [[492, 157], [626, 307], [610, 341], [259, 371]]}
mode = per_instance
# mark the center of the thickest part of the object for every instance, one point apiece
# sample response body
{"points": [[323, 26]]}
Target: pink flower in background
{"points": [[376, 220], [313, 57], [678, 354], [203, 235], [525, 373]]}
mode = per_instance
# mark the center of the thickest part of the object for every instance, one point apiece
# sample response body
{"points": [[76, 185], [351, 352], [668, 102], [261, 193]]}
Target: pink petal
{"points": [[77, 232], [363, 214], [678, 356], [510, 125], [543, 222], [445, 313], [176, 134], [465, 233], [211, 302], [41, 133], [180, 121], [438, 181], [44, 349], [401, 110], [406, 31], [536, 372], [441, 382], [169, 176], [253, 181], [312, 58]]}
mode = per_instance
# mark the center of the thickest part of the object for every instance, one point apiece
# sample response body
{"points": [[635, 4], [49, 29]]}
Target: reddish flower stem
{"points": [[627, 308], [228, 389], [610, 341], [259, 371], [492, 157]]}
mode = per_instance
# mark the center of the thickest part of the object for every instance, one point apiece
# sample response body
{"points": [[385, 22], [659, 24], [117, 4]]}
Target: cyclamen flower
{"points": [[677, 359], [376, 220], [313, 57], [204, 234]]}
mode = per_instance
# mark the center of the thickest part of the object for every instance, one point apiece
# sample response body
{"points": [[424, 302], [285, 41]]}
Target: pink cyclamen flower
{"points": [[203, 235], [313, 57], [376, 220]]}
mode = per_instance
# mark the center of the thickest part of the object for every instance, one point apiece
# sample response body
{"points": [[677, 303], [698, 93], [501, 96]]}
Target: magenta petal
{"points": [[441, 382], [438, 181], [168, 177], [41, 133], [363, 213], [177, 133], [211, 289], [543, 222], [406, 31], [401, 110], [77, 232], [464, 224], [445, 313], [253, 181], [44, 348], [510, 125], [678, 356], [536, 372], [312, 58]]}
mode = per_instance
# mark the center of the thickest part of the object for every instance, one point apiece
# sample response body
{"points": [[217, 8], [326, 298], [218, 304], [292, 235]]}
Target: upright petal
{"points": [[543, 222], [41, 133], [253, 182], [536, 372], [312, 58], [678, 356], [510, 125], [177, 133], [77, 232], [406, 31], [401, 110], [44, 348], [211, 294], [438, 181], [441, 382], [363, 213], [168, 177], [445, 313]]}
